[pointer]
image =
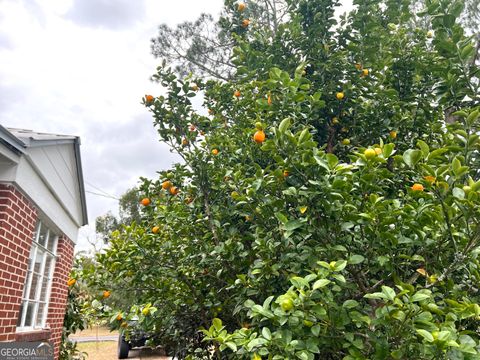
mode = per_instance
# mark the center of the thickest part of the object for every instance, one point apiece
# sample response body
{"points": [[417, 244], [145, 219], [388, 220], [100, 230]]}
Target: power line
{"points": [[98, 194], [106, 194]]}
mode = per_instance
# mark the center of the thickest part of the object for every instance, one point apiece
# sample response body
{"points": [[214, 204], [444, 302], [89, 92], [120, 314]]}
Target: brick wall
{"points": [[58, 297], [17, 224]]}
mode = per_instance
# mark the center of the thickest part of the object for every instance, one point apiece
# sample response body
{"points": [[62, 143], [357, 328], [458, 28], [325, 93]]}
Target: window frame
{"points": [[36, 247]]}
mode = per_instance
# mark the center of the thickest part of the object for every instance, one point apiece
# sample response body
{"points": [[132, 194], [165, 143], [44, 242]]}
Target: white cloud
{"points": [[81, 67]]}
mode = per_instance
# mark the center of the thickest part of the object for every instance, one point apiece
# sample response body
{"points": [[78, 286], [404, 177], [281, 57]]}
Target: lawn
{"points": [[106, 350]]}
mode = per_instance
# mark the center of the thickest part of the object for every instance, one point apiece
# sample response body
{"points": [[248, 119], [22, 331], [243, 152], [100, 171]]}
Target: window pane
{"points": [[52, 243], [43, 294], [29, 317], [29, 275], [33, 288], [38, 261], [43, 235], [48, 265], [30, 259], [41, 309]]}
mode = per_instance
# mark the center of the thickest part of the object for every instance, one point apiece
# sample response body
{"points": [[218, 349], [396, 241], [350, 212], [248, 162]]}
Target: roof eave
{"points": [[81, 184]]}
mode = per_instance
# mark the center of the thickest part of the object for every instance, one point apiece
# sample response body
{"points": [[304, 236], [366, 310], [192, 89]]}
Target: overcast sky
{"points": [[81, 67]]}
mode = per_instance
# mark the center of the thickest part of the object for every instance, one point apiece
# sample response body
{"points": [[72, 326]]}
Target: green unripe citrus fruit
{"points": [[369, 154], [287, 304]]}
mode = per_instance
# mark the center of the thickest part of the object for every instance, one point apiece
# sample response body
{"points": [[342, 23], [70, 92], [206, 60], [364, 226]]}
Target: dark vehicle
{"points": [[136, 339]]}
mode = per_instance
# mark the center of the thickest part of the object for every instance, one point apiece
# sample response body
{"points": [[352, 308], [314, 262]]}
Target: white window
{"points": [[36, 292]]}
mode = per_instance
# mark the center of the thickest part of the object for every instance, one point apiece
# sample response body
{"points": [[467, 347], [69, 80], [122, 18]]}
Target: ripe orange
{"points": [[417, 187], [340, 95], [106, 294], [119, 316], [286, 173], [378, 151], [237, 93], [174, 190], [241, 6], [365, 72], [215, 151], [71, 282], [145, 201], [259, 137], [149, 99], [245, 23], [393, 134], [155, 229], [370, 153], [167, 184]]}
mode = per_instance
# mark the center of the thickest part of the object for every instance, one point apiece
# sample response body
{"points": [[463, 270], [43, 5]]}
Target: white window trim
{"points": [[35, 246]]}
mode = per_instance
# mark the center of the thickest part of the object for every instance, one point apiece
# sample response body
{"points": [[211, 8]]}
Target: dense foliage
{"points": [[351, 231]]}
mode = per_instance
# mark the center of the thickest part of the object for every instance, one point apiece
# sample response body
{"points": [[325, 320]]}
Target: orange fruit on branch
{"points": [[145, 201], [340, 95], [417, 187], [259, 137], [167, 184]]}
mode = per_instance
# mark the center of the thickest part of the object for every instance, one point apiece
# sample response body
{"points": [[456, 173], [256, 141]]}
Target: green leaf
{"points": [[419, 296], [266, 333], [412, 157], [425, 334], [299, 282], [389, 292], [217, 324], [332, 161], [232, 346], [284, 125], [356, 259], [388, 149], [320, 284], [292, 225], [340, 265], [423, 147], [350, 304]]}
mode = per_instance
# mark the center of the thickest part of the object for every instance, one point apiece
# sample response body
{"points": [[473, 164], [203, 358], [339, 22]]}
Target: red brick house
{"points": [[42, 207]]}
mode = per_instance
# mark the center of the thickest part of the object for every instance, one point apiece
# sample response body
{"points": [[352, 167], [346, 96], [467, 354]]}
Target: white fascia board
{"points": [[8, 153], [45, 199]]}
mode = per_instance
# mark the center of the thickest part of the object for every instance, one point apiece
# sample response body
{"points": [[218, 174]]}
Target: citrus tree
{"points": [[327, 202]]}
